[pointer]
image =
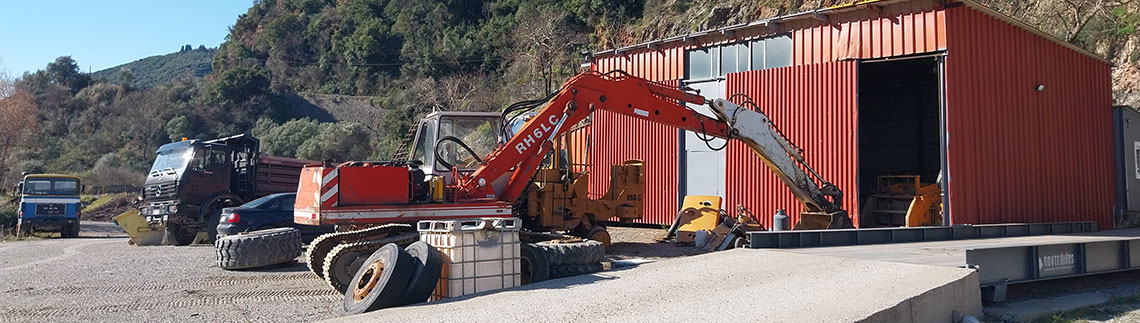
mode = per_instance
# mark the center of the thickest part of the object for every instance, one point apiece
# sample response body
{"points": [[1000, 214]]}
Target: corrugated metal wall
{"points": [[815, 107], [662, 64], [613, 138], [1016, 154], [904, 29]]}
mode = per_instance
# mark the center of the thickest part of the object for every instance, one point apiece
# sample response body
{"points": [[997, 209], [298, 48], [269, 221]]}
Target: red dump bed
{"points": [[278, 174]]}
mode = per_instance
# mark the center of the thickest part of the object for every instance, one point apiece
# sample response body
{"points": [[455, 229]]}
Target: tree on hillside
{"points": [[18, 124], [65, 71]]}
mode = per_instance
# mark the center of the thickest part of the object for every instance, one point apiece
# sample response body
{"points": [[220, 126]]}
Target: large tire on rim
{"points": [[258, 248], [173, 234], [535, 264], [381, 282], [429, 265], [562, 252], [574, 270]]}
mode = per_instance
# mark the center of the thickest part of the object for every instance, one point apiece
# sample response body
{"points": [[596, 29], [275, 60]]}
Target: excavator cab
{"points": [[454, 140]]}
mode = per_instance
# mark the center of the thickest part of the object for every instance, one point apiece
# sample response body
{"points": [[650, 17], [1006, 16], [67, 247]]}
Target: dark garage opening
{"points": [[899, 107]]}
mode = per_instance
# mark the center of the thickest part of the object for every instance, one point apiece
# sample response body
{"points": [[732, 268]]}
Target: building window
{"points": [[710, 62], [699, 64]]}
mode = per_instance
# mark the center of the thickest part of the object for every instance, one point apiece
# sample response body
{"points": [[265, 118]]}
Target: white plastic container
{"points": [[479, 254]]}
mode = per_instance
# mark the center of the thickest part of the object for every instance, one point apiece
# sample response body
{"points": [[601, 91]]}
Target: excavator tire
{"points": [[345, 259], [535, 264], [381, 282], [574, 270], [429, 265], [321, 246], [258, 248], [572, 252]]}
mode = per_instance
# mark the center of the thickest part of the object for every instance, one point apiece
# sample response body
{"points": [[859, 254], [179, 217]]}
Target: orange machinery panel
{"points": [[373, 185]]}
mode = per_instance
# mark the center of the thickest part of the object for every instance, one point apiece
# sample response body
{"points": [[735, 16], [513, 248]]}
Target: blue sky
{"points": [[102, 34]]}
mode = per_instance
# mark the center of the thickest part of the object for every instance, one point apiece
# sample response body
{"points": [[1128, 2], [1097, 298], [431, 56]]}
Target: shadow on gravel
{"points": [[289, 267], [560, 283]]}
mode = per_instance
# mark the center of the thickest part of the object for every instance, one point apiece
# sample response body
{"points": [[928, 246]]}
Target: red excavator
{"points": [[480, 165]]}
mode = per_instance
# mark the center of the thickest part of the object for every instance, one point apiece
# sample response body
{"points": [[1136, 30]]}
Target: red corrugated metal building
{"points": [[1015, 122]]}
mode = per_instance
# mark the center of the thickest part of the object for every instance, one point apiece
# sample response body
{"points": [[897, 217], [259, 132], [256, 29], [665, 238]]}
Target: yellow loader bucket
{"points": [[140, 232]]}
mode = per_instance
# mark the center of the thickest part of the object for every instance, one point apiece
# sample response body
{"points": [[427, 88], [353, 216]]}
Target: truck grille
{"points": [[159, 191], [50, 209]]}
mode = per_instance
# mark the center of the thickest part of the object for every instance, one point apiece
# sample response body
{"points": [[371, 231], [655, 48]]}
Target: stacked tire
{"points": [[258, 248], [561, 258], [394, 276]]}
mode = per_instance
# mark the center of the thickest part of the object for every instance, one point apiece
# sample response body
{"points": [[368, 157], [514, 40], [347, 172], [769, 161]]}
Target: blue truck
{"points": [[49, 203]]}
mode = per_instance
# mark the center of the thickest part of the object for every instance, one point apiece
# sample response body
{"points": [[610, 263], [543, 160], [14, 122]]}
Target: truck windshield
{"points": [[51, 186], [173, 161], [478, 133]]}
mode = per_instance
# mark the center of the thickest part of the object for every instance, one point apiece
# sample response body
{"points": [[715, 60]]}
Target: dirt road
{"points": [[99, 277]]}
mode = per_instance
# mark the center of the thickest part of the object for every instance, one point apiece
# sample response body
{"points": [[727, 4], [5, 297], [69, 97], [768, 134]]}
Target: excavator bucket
{"points": [[137, 229], [821, 221]]}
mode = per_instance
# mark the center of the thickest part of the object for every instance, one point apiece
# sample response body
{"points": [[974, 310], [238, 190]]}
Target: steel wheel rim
{"points": [[368, 281]]}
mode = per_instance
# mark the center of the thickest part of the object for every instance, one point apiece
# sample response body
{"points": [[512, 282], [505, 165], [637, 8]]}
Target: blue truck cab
{"points": [[49, 203]]}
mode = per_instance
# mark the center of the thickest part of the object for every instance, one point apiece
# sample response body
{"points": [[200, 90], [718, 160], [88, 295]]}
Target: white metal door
{"points": [[702, 167]]}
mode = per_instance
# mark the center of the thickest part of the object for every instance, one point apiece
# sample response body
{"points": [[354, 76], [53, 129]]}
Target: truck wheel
{"points": [[212, 224], [429, 265], [381, 282], [175, 235], [572, 251], [535, 264], [258, 248], [574, 270]]}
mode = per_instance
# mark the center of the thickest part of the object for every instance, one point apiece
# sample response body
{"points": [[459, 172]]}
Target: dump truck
{"points": [[191, 181], [49, 203], [491, 169]]}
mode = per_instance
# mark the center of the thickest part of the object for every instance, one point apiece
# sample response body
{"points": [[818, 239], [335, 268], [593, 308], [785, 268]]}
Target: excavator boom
{"points": [[509, 168]]}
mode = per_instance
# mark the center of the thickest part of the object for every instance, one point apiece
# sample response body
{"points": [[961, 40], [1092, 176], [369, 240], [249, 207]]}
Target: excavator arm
{"points": [[507, 171]]}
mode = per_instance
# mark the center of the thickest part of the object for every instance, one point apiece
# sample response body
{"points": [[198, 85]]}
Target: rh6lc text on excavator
{"points": [[480, 165]]}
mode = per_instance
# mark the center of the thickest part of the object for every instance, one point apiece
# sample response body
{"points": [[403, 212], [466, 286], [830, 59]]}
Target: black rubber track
{"points": [[572, 253], [429, 265], [258, 248], [391, 286]]}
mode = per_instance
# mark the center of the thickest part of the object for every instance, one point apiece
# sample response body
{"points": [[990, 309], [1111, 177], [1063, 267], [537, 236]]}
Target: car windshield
{"points": [[173, 161], [51, 186], [478, 133], [260, 203]]}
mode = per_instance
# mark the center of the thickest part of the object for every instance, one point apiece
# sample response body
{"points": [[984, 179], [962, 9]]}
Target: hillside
{"points": [[161, 69], [344, 79]]}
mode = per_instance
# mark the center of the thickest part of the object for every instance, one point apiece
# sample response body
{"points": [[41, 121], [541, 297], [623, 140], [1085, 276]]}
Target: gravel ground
{"points": [[99, 277]]}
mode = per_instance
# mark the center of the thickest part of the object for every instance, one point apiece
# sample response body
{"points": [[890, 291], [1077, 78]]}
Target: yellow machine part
{"points": [[903, 200], [137, 229], [706, 217]]}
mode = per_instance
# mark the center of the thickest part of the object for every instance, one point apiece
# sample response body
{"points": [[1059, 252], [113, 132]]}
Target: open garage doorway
{"points": [[900, 108]]}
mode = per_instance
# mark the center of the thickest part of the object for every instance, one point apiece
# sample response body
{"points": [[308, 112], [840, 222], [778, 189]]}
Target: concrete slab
{"points": [[743, 285], [953, 253]]}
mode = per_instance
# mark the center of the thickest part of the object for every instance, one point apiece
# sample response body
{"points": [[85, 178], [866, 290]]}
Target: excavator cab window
{"points": [[425, 142], [477, 133]]}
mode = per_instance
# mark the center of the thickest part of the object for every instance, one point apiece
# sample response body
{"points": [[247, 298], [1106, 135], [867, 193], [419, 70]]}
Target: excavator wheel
{"points": [[345, 259], [600, 234], [381, 282]]}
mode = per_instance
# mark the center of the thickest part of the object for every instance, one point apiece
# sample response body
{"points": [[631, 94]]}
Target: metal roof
{"points": [[51, 176], [822, 14]]}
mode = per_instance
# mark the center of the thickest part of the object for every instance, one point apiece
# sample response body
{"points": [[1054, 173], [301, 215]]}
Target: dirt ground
{"points": [[99, 277]]}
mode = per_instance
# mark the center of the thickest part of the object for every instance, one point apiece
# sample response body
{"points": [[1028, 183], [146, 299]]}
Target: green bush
{"points": [[8, 215]]}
